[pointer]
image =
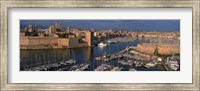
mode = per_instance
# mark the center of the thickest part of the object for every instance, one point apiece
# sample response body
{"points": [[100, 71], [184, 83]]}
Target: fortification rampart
{"points": [[63, 42], [165, 35], [74, 43], [162, 49], [38, 40], [49, 43]]}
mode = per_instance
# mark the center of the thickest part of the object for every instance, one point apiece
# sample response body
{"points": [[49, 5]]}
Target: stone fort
{"points": [[162, 49], [31, 42]]}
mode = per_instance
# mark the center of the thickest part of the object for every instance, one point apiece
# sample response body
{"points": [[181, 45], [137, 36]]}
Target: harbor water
{"points": [[33, 58]]}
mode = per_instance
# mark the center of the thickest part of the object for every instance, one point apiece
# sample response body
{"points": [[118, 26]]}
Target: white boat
{"points": [[102, 44], [103, 67], [151, 64], [133, 69], [70, 61], [117, 69], [172, 63]]}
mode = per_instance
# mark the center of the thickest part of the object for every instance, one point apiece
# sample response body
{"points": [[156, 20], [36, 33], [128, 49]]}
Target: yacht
{"points": [[103, 67], [117, 69], [70, 61], [172, 63], [133, 69], [102, 44], [151, 64]]}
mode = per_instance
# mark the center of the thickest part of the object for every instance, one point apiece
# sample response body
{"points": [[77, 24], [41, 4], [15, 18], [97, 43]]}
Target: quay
{"points": [[164, 65]]}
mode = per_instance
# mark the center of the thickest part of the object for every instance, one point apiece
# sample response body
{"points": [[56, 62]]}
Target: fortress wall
{"points": [[63, 42], [168, 35], [38, 42], [169, 49], [49, 43], [24, 41], [73, 43], [162, 49], [149, 49], [43, 41]]}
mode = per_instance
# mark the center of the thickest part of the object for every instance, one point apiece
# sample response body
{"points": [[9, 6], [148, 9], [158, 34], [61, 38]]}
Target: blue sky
{"points": [[137, 25]]}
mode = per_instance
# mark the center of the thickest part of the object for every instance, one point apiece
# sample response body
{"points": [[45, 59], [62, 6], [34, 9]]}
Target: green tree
{"points": [[155, 51]]}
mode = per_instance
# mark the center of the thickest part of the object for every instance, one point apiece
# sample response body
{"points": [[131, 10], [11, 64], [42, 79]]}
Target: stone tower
{"points": [[89, 36], [58, 26]]}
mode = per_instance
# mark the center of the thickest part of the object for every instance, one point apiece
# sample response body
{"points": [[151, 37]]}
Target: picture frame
{"points": [[7, 4]]}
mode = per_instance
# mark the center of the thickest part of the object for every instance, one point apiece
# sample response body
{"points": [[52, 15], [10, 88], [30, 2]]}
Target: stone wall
{"points": [[49, 43], [74, 43], [24, 41], [63, 42], [162, 49], [44, 41], [166, 35], [38, 42]]}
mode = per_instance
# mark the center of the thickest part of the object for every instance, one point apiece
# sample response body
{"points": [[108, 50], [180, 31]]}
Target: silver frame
{"points": [[6, 4]]}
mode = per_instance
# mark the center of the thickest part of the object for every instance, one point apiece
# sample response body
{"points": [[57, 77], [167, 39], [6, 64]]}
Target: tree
{"points": [[155, 51]]}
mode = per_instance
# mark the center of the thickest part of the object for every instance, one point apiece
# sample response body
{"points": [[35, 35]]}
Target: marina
{"points": [[124, 57]]}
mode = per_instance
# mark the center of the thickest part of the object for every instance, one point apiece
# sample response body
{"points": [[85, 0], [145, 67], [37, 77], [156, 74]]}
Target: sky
{"points": [[136, 25]]}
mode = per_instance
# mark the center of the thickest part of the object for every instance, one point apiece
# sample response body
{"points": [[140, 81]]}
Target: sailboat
{"points": [[70, 61]]}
